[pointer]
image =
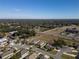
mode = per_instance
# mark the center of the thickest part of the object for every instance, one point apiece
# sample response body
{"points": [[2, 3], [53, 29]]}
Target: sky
{"points": [[39, 9]]}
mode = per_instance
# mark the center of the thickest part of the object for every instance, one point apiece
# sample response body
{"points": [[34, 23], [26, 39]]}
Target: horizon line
{"points": [[38, 18]]}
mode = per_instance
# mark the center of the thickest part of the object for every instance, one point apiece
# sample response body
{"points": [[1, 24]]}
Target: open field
{"points": [[54, 34]]}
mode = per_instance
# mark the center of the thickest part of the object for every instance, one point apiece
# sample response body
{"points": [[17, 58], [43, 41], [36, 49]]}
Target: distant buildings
{"points": [[72, 30], [71, 33]]}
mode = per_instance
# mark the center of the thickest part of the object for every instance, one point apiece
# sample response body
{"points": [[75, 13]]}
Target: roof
{"points": [[2, 40]]}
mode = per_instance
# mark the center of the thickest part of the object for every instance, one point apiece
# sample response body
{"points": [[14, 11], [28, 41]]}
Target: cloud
{"points": [[17, 10]]}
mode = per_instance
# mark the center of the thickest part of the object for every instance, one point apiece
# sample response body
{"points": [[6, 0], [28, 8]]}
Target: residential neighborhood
{"points": [[57, 43]]}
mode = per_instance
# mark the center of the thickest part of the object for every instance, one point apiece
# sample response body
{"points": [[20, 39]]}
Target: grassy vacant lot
{"points": [[75, 53], [54, 34], [67, 57]]}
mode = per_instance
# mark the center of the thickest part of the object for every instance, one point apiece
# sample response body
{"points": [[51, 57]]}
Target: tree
{"points": [[59, 42], [77, 57]]}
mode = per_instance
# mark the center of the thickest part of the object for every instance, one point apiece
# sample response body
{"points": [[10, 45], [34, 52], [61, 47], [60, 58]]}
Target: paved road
{"points": [[58, 55], [62, 50]]}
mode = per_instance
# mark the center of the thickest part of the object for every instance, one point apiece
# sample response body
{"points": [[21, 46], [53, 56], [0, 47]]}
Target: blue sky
{"points": [[49, 9]]}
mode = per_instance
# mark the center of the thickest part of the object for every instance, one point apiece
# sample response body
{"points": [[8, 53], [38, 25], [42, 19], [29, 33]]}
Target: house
{"points": [[3, 42], [48, 46], [46, 56], [41, 44], [13, 32], [35, 41], [41, 56], [11, 35], [34, 55]]}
